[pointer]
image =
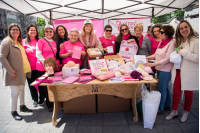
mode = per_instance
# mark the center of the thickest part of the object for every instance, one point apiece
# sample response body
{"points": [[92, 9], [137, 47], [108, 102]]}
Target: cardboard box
{"points": [[108, 103], [73, 71], [115, 57], [80, 105], [92, 54]]}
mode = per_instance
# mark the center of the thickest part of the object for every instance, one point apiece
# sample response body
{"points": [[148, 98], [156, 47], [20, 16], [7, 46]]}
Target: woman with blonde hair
{"points": [[187, 77], [15, 68], [89, 40], [144, 42]]}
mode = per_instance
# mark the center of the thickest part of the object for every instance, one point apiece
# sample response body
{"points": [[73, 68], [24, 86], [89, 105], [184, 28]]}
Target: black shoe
{"points": [[24, 109], [41, 103], [35, 103], [16, 116], [167, 108], [160, 112]]}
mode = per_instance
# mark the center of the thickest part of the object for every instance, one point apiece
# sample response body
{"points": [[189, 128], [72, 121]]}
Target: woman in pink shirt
{"points": [[32, 37], [107, 42], [67, 52], [46, 47], [164, 66]]}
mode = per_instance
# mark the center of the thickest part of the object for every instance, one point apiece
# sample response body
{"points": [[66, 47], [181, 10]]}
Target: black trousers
{"points": [[33, 90], [44, 88]]}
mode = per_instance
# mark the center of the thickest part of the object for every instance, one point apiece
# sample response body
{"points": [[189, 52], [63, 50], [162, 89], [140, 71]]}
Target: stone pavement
{"points": [[39, 121]]}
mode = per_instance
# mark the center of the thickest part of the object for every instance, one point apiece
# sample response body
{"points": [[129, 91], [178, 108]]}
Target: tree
{"points": [[164, 18], [41, 23]]}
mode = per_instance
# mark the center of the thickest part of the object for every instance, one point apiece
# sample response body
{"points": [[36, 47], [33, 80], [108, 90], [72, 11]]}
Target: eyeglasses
{"points": [[48, 31], [138, 31], [15, 29], [149, 29], [108, 30], [161, 32], [122, 30]]}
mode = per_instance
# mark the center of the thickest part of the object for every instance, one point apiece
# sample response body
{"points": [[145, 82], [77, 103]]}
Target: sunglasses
{"points": [[122, 30], [161, 32], [48, 31], [108, 30]]}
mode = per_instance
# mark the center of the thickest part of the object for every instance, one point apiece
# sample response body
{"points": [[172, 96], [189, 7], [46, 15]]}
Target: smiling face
{"points": [[162, 34], [14, 32], [88, 28], [108, 32], [61, 31], [32, 32], [73, 37], [156, 32], [138, 32], [124, 30], [49, 33], [184, 29]]}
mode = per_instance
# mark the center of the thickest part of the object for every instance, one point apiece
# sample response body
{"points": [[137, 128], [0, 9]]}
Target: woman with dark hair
{"points": [[15, 68], [164, 66], [107, 41], [29, 43], [187, 77], [149, 34], [124, 34], [61, 35]]}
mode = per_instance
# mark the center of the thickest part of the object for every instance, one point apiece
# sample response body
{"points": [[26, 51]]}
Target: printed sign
{"points": [[139, 61], [96, 65]]}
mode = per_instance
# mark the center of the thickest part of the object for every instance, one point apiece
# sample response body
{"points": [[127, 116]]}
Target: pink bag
{"points": [[105, 76]]}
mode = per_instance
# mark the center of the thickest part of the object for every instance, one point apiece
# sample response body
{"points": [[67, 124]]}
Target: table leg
{"points": [[56, 105], [135, 118]]}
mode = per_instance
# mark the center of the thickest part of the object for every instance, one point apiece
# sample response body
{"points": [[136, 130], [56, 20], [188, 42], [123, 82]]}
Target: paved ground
{"points": [[39, 121]]}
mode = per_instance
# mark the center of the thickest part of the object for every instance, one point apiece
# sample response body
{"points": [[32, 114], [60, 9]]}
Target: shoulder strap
{"points": [[50, 47]]}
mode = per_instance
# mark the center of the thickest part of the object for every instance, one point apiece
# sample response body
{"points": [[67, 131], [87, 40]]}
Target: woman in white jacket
{"points": [[187, 77]]}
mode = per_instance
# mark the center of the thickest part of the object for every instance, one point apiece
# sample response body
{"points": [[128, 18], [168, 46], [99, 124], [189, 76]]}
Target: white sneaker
{"points": [[184, 116], [173, 114]]}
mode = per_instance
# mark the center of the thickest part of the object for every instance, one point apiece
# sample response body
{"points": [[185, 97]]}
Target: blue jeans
{"points": [[163, 88]]}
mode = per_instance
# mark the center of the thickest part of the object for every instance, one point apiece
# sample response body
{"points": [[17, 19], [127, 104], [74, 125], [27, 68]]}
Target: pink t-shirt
{"points": [[31, 52], [154, 45], [147, 35], [43, 46], [108, 42], [69, 46]]}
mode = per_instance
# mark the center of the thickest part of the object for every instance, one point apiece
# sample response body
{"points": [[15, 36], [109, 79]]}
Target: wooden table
{"points": [[64, 92]]}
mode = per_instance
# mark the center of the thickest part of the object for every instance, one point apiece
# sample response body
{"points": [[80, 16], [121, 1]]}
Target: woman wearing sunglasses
{"points": [[107, 42], [187, 77], [164, 66], [45, 48], [149, 32], [124, 34], [144, 42]]}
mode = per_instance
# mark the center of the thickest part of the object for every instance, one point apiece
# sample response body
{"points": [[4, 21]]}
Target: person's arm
{"points": [[64, 54], [103, 50], [194, 57], [39, 47], [151, 57], [4, 51]]}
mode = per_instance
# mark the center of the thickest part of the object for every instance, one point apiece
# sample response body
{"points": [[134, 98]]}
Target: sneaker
{"points": [[41, 103], [35, 103], [160, 112], [16, 116], [184, 116], [25, 109], [173, 114]]}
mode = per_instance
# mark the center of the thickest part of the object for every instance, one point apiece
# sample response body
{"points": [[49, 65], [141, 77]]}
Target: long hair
{"points": [[28, 39], [179, 37], [158, 25], [83, 30], [66, 33], [119, 36], [19, 39]]}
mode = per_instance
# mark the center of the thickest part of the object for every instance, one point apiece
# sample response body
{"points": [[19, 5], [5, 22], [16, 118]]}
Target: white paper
{"points": [[95, 51], [96, 65], [110, 49], [139, 61]]}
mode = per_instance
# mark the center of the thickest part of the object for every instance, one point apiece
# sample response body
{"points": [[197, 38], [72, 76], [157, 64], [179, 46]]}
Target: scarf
{"points": [[140, 41], [125, 37], [165, 42]]}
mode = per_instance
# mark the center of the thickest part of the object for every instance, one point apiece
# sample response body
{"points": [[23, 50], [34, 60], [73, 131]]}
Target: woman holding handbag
{"points": [[46, 47]]}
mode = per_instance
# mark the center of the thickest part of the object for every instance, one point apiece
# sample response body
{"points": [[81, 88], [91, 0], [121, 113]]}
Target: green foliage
{"points": [[164, 18], [41, 22]]}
